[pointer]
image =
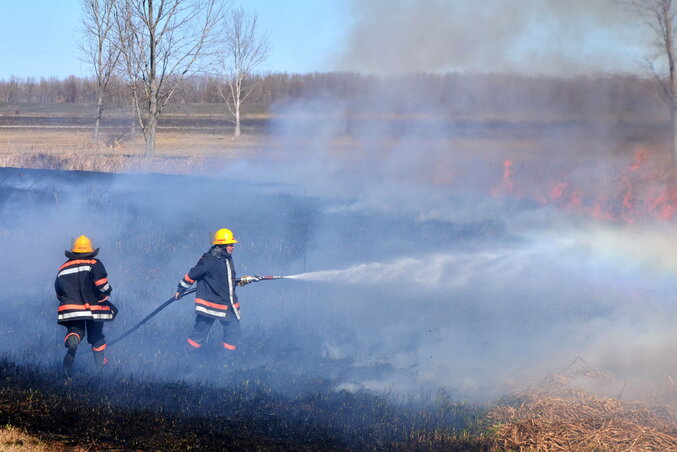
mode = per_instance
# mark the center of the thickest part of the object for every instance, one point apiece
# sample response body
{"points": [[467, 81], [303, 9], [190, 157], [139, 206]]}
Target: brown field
{"points": [[198, 137], [61, 136]]}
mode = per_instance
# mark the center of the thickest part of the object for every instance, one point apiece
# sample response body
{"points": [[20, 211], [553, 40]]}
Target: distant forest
{"points": [[455, 93]]}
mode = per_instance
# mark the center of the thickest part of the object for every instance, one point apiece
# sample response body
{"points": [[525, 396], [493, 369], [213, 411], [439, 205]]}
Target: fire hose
{"points": [[247, 279]]}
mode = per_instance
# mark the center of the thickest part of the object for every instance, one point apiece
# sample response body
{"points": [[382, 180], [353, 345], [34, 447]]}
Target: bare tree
{"points": [[99, 48], [659, 16], [162, 42], [242, 51]]}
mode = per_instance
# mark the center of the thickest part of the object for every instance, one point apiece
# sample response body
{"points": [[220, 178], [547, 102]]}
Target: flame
{"points": [[506, 186], [507, 182], [641, 156], [557, 191], [638, 192]]}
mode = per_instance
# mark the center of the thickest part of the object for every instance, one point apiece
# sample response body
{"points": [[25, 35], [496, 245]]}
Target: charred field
{"points": [[117, 412], [291, 387]]}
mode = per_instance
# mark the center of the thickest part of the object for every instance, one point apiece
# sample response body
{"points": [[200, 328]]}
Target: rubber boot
{"points": [[72, 343], [100, 359]]}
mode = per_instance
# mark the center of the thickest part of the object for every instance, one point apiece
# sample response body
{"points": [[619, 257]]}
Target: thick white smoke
{"points": [[529, 36]]}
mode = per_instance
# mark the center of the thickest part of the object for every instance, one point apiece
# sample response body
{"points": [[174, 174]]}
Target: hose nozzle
{"points": [[246, 279]]}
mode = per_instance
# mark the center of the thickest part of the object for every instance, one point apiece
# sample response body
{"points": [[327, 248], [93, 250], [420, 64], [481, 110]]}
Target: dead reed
{"points": [[13, 439], [112, 163], [556, 415]]}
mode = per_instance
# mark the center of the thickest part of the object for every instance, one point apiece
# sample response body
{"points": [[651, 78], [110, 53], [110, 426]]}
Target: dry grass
{"points": [[556, 415], [73, 149], [14, 440], [103, 162]]}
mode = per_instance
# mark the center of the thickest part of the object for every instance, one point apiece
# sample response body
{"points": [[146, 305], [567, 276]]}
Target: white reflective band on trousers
{"points": [[86, 314], [210, 312]]}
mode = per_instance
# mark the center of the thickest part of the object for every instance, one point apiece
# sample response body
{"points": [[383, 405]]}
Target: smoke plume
{"points": [[529, 36]]}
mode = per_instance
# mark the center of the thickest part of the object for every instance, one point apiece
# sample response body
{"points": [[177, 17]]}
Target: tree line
{"points": [[455, 93]]}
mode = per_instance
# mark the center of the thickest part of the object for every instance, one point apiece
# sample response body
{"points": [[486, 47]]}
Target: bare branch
{"points": [[99, 48], [162, 42], [242, 51]]}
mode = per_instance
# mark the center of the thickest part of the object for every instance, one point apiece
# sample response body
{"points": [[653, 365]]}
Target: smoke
{"points": [[529, 36], [417, 260], [378, 298], [434, 260]]}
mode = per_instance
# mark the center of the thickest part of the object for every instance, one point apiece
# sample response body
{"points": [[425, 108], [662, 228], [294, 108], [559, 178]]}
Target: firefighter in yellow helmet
{"points": [[83, 291], [215, 297]]}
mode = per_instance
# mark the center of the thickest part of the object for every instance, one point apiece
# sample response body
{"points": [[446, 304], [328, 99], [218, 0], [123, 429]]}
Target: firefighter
{"points": [[83, 292], [215, 297]]}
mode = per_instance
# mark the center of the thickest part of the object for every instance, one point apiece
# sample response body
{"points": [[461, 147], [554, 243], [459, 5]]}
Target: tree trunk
{"points": [[96, 130], [237, 121], [99, 113], [150, 137], [151, 124], [135, 115], [673, 131]]}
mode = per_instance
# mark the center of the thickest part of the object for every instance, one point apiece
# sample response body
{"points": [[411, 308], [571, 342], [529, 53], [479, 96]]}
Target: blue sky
{"points": [[38, 37]]}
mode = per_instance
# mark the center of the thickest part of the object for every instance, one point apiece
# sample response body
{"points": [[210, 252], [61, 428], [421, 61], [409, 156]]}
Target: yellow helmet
{"points": [[82, 245], [222, 237]]}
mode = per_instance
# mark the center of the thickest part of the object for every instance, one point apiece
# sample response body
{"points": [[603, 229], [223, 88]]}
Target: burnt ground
{"points": [[108, 412], [122, 410]]}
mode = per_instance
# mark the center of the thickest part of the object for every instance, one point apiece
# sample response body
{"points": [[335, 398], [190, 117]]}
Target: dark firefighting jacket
{"points": [[82, 289], [215, 276]]}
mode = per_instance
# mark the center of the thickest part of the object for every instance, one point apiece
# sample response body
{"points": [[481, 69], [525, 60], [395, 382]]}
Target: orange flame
{"points": [[507, 182], [638, 192]]}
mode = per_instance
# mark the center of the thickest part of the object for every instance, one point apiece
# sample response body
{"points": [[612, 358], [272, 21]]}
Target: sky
{"points": [[38, 38]]}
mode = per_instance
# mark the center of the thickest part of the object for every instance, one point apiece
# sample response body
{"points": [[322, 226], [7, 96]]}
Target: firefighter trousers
{"points": [[94, 331], [230, 326]]}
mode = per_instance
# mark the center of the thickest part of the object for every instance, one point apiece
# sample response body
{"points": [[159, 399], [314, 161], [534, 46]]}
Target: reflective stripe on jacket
{"points": [[82, 289], [215, 276]]}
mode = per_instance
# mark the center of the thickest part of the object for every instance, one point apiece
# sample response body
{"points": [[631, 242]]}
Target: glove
{"points": [[113, 308], [179, 292]]}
